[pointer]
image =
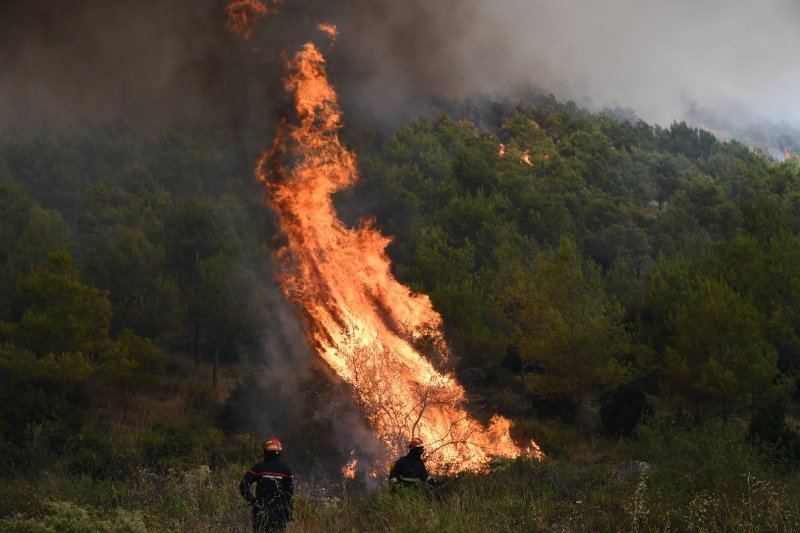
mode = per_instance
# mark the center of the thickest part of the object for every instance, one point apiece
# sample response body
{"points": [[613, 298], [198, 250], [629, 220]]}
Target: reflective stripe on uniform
{"points": [[272, 475]]}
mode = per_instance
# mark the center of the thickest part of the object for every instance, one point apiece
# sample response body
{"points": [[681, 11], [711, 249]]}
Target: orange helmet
{"points": [[416, 442], [272, 445]]}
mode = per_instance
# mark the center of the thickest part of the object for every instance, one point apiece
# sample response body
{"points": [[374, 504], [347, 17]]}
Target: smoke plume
{"points": [[173, 60]]}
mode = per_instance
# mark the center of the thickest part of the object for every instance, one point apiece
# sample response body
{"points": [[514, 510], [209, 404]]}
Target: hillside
{"points": [[626, 294]]}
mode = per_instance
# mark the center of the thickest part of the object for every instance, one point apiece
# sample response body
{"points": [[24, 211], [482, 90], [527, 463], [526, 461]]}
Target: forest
{"points": [[627, 294]]}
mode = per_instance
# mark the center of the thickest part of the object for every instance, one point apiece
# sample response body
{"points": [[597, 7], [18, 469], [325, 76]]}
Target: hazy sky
{"points": [[151, 60], [656, 56]]}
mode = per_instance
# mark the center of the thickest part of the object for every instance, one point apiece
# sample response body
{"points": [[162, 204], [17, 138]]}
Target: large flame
{"points": [[362, 322]]}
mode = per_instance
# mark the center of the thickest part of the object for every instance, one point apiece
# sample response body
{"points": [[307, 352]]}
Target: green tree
{"points": [[719, 363], [765, 271], [570, 331], [221, 307], [50, 352], [132, 365], [39, 394], [194, 231], [146, 298], [27, 234], [667, 170], [464, 299], [61, 314]]}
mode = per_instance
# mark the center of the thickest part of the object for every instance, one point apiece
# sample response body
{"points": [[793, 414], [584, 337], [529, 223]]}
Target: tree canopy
{"points": [[575, 258]]}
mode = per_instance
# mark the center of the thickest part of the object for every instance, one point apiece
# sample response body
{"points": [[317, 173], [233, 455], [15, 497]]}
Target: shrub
{"points": [[66, 517], [117, 452]]}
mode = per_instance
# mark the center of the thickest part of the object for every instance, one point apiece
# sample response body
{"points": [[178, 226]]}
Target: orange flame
{"points": [[349, 470], [361, 321], [329, 29], [525, 156], [242, 15]]}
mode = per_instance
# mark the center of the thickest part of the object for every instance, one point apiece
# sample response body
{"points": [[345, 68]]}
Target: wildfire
{"points": [[349, 470], [526, 158], [361, 321], [242, 15], [329, 29]]}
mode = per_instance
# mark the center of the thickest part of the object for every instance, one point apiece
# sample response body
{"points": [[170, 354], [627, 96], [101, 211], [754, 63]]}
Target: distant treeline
{"points": [[588, 270]]}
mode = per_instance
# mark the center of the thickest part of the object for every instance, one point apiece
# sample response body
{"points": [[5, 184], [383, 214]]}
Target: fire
{"points": [[242, 15], [526, 158], [349, 470], [362, 321], [329, 29]]}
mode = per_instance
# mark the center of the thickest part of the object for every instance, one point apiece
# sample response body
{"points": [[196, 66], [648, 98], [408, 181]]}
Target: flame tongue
{"points": [[360, 319], [242, 14]]}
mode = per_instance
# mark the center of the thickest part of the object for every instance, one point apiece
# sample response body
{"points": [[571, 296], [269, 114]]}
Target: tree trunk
{"points": [[196, 331], [214, 369], [588, 417], [126, 400]]}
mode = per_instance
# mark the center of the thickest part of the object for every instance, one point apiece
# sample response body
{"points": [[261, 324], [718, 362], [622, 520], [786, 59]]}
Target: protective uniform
{"points": [[272, 505], [409, 470]]}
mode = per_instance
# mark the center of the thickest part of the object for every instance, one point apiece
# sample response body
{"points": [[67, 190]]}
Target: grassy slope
{"points": [[707, 478]]}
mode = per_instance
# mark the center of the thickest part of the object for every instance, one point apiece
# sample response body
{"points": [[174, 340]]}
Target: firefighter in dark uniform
{"points": [[410, 469], [272, 505]]}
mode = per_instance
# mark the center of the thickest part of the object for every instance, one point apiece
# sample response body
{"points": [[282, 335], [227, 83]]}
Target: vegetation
{"points": [[701, 478], [627, 294]]}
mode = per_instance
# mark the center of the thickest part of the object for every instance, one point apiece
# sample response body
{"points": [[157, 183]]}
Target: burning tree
{"points": [[366, 326], [374, 378], [361, 321]]}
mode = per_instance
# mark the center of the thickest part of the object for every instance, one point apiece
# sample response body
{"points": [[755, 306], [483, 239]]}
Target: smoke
{"points": [[145, 61], [156, 62], [658, 57], [173, 60]]}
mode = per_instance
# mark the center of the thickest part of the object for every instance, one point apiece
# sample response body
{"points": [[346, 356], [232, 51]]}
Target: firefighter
{"points": [[272, 505], [409, 470]]}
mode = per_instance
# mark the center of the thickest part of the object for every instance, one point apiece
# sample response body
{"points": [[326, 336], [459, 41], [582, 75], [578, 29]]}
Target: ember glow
{"points": [[524, 156], [329, 29], [361, 321], [242, 15], [349, 470]]}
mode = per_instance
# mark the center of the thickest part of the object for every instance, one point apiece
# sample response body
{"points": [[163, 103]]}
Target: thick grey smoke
{"points": [[294, 397], [146, 61], [171, 60], [653, 56], [658, 58]]}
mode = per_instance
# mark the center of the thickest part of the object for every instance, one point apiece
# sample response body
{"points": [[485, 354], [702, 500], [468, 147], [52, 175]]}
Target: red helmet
{"points": [[272, 445], [416, 442]]}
